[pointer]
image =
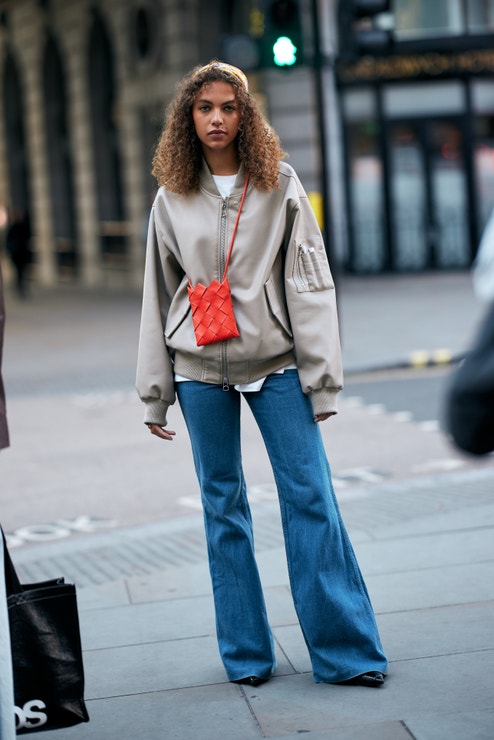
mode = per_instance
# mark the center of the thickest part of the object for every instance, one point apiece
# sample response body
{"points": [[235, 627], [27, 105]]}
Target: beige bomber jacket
{"points": [[282, 291]]}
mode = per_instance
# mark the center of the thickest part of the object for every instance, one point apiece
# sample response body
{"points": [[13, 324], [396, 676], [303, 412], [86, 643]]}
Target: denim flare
{"points": [[328, 590]]}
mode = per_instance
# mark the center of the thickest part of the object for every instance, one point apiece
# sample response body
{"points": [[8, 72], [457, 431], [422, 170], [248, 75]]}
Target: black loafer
{"points": [[373, 679], [251, 680]]}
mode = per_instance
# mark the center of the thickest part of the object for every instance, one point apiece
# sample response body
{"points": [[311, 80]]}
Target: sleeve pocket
{"points": [[312, 269]]}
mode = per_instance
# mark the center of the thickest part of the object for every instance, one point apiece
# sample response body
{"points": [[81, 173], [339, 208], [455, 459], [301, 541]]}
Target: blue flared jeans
{"points": [[328, 590]]}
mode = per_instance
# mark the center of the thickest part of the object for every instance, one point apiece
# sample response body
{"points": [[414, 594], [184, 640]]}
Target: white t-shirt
{"points": [[225, 184]]}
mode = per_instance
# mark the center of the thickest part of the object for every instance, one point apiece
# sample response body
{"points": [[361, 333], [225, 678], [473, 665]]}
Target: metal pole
{"points": [[318, 64]]}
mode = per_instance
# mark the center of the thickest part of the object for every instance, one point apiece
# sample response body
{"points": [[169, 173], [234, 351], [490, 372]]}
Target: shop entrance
{"points": [[428, 195]]}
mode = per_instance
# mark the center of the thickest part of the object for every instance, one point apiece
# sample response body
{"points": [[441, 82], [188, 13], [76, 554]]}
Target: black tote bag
{"points": [[46, 653]]}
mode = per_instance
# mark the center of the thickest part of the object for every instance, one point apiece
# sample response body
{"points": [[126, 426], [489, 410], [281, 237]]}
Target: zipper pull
{"points": [[226, 385]]}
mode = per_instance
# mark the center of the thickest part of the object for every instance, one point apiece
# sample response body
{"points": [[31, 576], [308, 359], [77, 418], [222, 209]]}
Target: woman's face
{"points": [[216, 116]]}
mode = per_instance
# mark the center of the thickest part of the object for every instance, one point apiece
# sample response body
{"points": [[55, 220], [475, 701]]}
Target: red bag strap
{"points": [[235, 227]]}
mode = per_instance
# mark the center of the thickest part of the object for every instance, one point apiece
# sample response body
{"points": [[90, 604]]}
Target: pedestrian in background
{"points": [[7, 717], [18, 244], [285, 363], [469, 397]]}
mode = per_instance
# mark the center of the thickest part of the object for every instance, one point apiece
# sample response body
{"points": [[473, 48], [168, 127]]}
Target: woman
{"points": [[285, 362]]}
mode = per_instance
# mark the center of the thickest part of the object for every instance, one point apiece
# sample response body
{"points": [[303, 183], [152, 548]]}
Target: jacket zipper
{"points": [[300, 274], [224, 360]]}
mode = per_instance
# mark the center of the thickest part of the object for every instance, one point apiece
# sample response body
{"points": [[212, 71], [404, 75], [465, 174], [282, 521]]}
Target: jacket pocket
{"points": [[312, 270], [175, 320], [277, 307]]}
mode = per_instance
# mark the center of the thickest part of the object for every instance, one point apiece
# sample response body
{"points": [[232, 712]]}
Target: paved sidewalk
{"points": [[152, 667], [425, 546]]}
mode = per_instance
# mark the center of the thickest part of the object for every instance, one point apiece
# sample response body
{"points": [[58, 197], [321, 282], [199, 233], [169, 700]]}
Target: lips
{"points": [[217, 132]]}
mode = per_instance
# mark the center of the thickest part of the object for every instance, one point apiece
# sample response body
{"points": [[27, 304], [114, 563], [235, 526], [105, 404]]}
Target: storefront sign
{"points": [[431, 64]]}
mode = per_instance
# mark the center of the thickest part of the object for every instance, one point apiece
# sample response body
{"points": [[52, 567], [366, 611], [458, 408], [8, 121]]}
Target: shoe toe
{"points": [[251, 680], [371, 678]]}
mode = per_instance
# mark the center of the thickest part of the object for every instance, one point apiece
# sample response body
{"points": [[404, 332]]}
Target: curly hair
{"points": [[177, 160]]}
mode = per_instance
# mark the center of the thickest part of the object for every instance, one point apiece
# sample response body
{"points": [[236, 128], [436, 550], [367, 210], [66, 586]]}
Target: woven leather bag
{"points": [[212, 312], [212, 307]]}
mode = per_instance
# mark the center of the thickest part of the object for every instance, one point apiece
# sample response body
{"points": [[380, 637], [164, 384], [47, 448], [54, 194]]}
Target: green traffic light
{"points": [[284, 52]]}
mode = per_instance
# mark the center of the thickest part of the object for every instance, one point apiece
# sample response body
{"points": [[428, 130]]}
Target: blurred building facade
{"points": [[417, 103], [84, 85], [399, 134]]}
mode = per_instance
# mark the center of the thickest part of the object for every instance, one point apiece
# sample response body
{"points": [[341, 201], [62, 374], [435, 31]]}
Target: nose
{"points": [[217, 115]]}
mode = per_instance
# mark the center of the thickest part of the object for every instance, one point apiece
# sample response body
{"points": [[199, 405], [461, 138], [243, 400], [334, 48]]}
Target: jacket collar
{"points": [[207, 183]]}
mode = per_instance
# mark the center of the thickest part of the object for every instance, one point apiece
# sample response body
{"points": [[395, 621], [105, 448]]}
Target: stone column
{"points": [[28, 39], [73, 34]]}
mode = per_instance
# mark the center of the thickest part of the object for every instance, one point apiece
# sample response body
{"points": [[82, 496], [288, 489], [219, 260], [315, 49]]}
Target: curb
{"points": [[416, 360]]}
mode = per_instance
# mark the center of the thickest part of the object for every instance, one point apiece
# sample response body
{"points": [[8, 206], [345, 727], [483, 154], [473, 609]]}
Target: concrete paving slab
{"points": [[471, 725], [152, 667], [431, 587], [446, 630], [272, 566], [374, 731], [291, 641], [158, 666], [422, 551], [279, 605], [436, 687], [107, 595], [172, 583], [147, 623], [205, 713], [474, 517], [436, 632]]}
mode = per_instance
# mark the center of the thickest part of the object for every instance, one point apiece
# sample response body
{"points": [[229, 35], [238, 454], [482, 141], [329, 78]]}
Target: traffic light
{"points": [[282, 40], [365, 27]]}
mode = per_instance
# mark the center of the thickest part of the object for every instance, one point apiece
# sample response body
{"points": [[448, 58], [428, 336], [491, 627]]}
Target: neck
{"points": [[222, 163]]}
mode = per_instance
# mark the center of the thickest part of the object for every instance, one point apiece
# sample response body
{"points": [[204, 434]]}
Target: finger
{"points": [[159, 431], [323, 417]]}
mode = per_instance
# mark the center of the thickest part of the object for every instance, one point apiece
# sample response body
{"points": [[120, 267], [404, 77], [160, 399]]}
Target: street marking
{"points": [[419, 358], [353, 402], [447, 463], [58, 530], [442, 356], [190, 502], [430, 426], [402, 416], [263, 492], [358, 475], [376, 409], [424, 358]]}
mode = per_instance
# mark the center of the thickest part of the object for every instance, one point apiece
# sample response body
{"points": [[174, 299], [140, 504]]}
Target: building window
{"points": [[423, 18], [484, 166], [480, 16], [144, 37], [366, 197]]}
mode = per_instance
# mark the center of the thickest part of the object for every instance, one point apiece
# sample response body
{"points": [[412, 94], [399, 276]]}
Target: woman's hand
{"points": [[158, 431], [323, 417]]}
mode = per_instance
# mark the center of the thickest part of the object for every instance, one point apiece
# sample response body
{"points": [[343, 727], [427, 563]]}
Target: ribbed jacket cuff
{"points": [[155, 412], [324, 401]]}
